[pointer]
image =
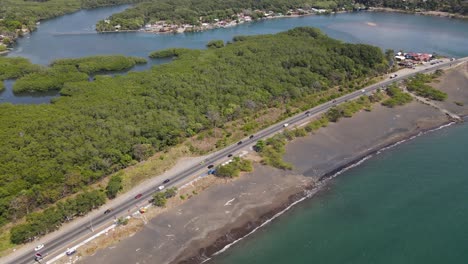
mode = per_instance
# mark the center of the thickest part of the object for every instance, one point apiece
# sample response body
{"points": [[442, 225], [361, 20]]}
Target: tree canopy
{"points": [[96, 128]]}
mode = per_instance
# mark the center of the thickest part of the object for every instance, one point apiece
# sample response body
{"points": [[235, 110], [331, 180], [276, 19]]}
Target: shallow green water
{"points": [[406, 205]]}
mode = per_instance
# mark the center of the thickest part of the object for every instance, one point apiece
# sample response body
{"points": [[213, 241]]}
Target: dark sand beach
{"points": [[205, 224]]}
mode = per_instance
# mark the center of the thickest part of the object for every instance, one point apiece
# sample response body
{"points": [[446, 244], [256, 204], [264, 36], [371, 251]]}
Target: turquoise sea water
{"points": [[406, 205]]}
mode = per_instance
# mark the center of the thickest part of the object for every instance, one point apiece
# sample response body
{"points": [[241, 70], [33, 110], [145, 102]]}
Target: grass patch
{"points": [[153, 166], [234, 168], [5, 243], [397, 97], [419, 86]]}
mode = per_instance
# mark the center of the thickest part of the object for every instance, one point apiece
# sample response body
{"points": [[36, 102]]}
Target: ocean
{"points": [[407, 204]]}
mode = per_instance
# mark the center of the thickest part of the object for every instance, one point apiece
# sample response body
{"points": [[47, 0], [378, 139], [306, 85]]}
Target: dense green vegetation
{"points": [[190, 11], [234, 168], [215, 44], [95, 64], [273, 149], [451, 6], [49, 79], [16, 15], [114, 186], [41, 223], [397, 97], [418, 85], [37, 78], [13, 68], [2, 86], [96, 128], [172, 52], [160, 198], [348, 109]]}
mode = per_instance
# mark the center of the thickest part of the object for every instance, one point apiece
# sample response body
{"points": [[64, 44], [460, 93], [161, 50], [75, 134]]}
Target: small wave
{"points": [[260, 226], [310, 193]]}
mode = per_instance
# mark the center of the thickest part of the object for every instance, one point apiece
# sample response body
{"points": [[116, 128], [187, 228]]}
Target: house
{"points": [[400, 58], [418, 56]]}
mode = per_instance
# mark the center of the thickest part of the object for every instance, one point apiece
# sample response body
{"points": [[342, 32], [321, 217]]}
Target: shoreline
{"points": [[227, 238], [420, 13], [208, 225], [370, 9], [236, 235]]}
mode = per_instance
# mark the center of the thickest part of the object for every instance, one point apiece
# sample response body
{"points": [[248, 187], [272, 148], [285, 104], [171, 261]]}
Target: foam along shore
{"points": [[224, 213]]}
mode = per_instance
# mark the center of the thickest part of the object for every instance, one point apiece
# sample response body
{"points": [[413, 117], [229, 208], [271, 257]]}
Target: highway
{"points": [[58, 246]]}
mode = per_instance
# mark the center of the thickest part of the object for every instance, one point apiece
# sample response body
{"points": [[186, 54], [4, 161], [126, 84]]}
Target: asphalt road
{"points": [[53, 248]]}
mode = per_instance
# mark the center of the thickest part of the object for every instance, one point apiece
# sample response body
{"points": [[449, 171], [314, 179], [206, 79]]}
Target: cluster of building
{"points": [[412, 58], [240, 18]]}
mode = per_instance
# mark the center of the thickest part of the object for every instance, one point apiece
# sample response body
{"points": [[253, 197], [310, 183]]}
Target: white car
{"points": [[39, 247], [161, 187], [363, 90], [286, 125], [70, 251]]}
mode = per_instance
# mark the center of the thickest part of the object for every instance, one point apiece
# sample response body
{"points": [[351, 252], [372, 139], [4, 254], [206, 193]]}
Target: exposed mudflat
{"points": [[218, 216]]}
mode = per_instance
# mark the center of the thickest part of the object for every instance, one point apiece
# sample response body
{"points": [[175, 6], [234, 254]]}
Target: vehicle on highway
{"points": [[160, 187], [37, 256], [363, 91], [240, 142], [210, 166], [307, 113], [39, 247], [138, 196], [251, 136], [166, 180], [70, 251], [285, 125], [212, 171], [108, 211], [230, 155]]}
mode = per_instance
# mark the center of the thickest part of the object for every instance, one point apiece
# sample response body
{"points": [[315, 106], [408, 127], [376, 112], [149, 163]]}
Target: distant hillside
{"points": [[450, 6], [20, 16]]}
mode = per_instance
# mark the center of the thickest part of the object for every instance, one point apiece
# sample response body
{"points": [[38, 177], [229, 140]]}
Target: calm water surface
{"points": [[74, 36], [407, 205]]}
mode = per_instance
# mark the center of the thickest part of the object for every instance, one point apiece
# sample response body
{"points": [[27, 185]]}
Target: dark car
{"points": [[138, 196], [210, 166], [107, 211], [166, 180], [151, 200], [240, 142], [308, 112], [230, 155], [251, 136]]}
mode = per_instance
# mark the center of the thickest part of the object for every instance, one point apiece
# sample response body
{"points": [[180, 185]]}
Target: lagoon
{"points": [[74, 35]]}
